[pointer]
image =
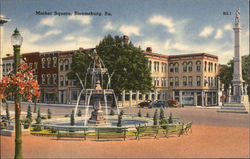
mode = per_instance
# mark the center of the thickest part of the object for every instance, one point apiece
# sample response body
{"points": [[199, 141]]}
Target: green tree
{"points": [[148, 116], [29, 114], [156, 117], [112, 112], [49, 114], [162, 114], [38, 118], [226, 72], [170, 119], [127, 63], [72, 118], [119, 123], [7, 110], [139, 113], [79, 113]]}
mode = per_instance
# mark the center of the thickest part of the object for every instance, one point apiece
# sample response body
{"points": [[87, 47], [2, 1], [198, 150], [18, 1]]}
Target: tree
{"points": [[170, 119], [122, 112], [72, 118], [79, 113], [139, 113], [38, 118], [35, 100], [29, 114], [130, 67], [7, 110], [226, 72], [49, 114], [119, 123], [156, 117], [112, 112], [162, 114], [148, 116]]}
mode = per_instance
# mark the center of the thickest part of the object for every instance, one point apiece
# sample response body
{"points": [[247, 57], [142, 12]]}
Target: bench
{"points": [[71, 132], [146, 131], [173, 129], [109, 132]]}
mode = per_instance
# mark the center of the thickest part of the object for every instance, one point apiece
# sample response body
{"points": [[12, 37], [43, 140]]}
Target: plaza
{"points": [[215, 135]]}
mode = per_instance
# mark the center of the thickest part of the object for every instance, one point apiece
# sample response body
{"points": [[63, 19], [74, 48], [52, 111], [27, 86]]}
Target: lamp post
{"points": [[3, 20], [16, 40]]}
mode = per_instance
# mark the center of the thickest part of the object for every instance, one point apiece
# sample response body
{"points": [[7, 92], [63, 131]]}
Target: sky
{"points": [[170, 27]]}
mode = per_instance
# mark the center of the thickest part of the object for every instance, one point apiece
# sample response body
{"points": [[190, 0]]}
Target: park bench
{"points": [[177, 129], [110, 132], [71, 132], [146, 131]]}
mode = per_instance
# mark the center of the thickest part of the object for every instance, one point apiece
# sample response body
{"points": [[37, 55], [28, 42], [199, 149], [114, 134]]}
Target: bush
{"points": [[26, 122], [29, 114], [37, 128], [122, 112], [156, 117], [162, 114], [139, 113], [148, 116], [170, 119], [49, 114], [43, 117], [66, 115], [53, 130], [7, 111], [119, 123], [112, 112], [72, 118], [79, 113]]}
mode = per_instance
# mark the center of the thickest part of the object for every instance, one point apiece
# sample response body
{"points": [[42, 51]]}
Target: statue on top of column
{"points": [[237, 16]]}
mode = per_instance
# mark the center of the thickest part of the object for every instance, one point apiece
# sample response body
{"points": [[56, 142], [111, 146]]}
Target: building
{"points": [[189, 78]]}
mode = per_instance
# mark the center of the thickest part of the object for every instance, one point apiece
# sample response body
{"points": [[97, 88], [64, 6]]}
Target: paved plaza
{"points": [[214, 135]]}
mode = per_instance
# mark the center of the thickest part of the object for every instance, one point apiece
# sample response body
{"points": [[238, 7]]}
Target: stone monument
{"points": [[237, 94]]}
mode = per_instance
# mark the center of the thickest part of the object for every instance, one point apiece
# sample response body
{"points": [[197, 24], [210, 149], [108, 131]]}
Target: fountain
{"points": [[96, 70]]}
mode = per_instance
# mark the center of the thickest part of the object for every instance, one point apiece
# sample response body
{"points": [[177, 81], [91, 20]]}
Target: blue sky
{"points": [[168, 26]]}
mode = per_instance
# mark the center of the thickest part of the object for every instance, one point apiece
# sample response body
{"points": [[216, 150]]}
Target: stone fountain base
{"points": [[97, 118]]}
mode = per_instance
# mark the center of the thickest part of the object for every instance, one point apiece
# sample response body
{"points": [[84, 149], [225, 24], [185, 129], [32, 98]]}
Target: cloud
{"points": [[130, 30], [108, 26], [206, 31], [32, 36], [228, 27], [52, 32], [69, 38], [82, 19], [165, 21], [50, 21], [218, 34]]}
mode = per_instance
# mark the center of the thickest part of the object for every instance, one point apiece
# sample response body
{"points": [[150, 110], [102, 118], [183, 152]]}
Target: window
{"points": [[66, 65], [155, 66], [48, 62], [190, 81], [184, 81], [61, 80], [215, 67], [190, 66], [171, 79], [35, 77], [198, 66], [30, 66], [54, 78], [164, 82], [43, 79], [61, 65], [215, 81], [163, 67], [198, 81], [3, 67], [35, 67], [43, 62], [171, 67], [209, 66], [176, 67], [48, 79], [66, 81], [205, 66], [184, 66], [212, 81], [177, 81], [209, 81], [158, 66], [212, 67], [54, 61], [205, 81]]}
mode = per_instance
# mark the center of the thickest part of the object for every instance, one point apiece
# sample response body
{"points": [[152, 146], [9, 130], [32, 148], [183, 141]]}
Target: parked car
{"points": [[146, 103], [174, 103], [159, 103]]}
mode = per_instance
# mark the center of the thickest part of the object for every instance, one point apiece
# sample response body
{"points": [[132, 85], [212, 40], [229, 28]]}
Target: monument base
{"points": [[241, 106], [97, 118]]}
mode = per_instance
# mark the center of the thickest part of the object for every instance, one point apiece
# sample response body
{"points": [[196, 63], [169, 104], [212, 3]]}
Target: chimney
{"points": [[149, 49], [125, 39]]}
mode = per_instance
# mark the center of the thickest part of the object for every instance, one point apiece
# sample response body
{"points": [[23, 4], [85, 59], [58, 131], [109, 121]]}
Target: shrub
{"points": [[119, 123], [49, 114], [29, 114], [122, 112], [66, 115], [26, 122], [53, 130], [170, 119], [37, 128], [43, 117], [139, 113], [156, 117], [72, 118], [39, 113], [162, 114], [7, 111], [112, 112], [148, 116], [79, 113]]}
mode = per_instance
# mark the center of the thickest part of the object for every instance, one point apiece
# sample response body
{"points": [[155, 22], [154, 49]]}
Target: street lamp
{"points": [[16, 41]]}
